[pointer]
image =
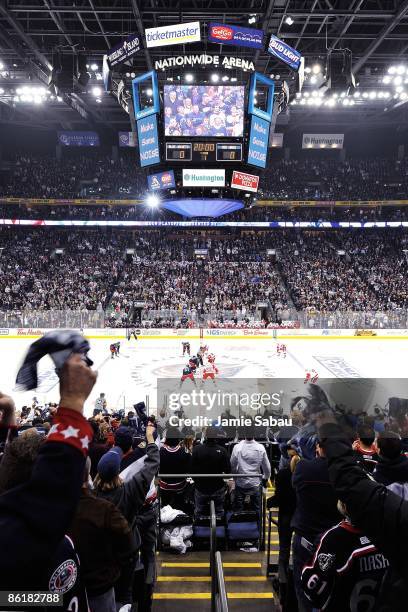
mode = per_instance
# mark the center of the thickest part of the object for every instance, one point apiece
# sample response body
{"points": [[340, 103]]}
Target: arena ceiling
{"points": [[32, 32]]}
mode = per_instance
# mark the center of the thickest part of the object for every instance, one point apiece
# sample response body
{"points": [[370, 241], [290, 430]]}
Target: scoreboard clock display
{"points": [[203, 152]]}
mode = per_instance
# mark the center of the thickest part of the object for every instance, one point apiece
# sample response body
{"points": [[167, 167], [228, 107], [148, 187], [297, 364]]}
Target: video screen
{"points": [[204, 110]]}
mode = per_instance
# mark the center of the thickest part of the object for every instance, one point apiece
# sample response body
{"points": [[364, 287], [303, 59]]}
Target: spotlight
{"points": [[98, 100], [215, 78], [308, 70], [189, 78], [96, 91], [316, 69], [149, 92], [289, 21], [400, 69], [225, 78], [398, 80], [252, 18], [313, 80], [1, 66], [386, 80], [152, 201], [391, 70], [94, 67]]}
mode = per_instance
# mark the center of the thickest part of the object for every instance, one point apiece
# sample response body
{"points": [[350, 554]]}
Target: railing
{"points": [[98, 319], [220, 602]]}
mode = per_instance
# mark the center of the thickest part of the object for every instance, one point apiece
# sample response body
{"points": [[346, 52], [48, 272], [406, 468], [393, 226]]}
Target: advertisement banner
{"points": [[322, 141], [161, 180], [203, 178], [235, 35], [284, 52], [244, 181], [179, 34], [124, 50], [127, 139], [258, 142], [78, 139], [148, 141]]}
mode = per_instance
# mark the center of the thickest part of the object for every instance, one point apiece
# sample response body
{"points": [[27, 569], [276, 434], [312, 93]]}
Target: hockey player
{"points": [[132, 332], [114, 350], [209, 371], [188, 373], [346, 571], [211, 358], [194, 362], [281, 350], [186, 348], [201, 353], [311, 377]]}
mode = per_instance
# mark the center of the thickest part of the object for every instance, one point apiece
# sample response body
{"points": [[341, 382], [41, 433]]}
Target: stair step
{"points": [[208, 578], [207, 595]]}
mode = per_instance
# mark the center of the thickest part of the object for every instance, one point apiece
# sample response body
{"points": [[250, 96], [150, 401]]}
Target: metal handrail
{"points": [[210, 476], [220, 599], [213, 549]]}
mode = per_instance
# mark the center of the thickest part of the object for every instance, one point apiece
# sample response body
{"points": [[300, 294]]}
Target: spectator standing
{"points": [[174, 459], [249, 457], [105, 543], [392, 464], [210, 458], [316, 511]]}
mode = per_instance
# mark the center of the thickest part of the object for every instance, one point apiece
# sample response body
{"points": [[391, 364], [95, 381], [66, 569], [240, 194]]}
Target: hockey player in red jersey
{"points": [[281, 350], [209, 371], [311, 377]]}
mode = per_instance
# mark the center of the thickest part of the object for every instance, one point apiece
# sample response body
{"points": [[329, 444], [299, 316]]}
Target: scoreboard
{"points": [[203, 152]]}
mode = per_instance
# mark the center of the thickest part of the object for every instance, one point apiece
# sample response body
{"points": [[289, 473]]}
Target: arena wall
{"points": [[218, 333]]}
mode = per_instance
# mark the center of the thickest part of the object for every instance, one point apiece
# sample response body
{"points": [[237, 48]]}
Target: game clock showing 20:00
{"points": [[203, 152]]}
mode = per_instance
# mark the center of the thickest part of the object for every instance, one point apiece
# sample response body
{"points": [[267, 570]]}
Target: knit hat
{"points": [[109, 464]]}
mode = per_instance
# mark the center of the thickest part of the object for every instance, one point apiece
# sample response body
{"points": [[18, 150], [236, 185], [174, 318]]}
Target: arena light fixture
{"points": [[94, 67], [397, 80], [98, 100], [289, 21], [96, 91], [1, 66], [149, 91], [316, 69], [189, 78], [391, 70], [401, 69], [152, 200], [215, 77]]}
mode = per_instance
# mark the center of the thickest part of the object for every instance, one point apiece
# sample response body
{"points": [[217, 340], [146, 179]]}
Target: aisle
{"points": [[183, 579]]}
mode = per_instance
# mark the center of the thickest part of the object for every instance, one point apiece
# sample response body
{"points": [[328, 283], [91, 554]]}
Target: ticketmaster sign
{"points": [[203, 178], [179, 34]]}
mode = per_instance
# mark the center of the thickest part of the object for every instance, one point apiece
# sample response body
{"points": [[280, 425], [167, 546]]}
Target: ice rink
{"points": [[133, 376]]}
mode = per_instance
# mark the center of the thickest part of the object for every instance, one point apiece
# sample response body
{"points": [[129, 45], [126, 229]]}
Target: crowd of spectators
{"points": [[340, 489], [314, 273], [97, 175], [91, 174]]}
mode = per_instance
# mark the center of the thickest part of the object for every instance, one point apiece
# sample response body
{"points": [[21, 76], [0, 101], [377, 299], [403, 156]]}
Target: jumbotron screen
{"points": [[204, 110]]}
